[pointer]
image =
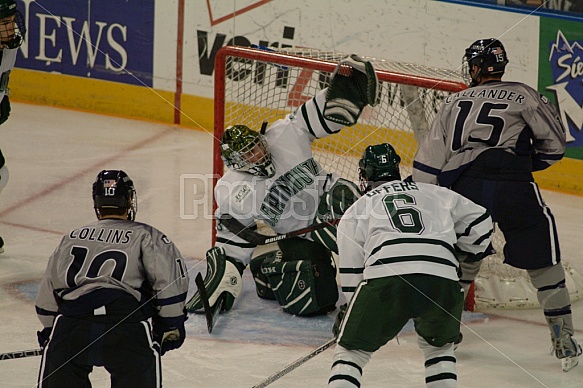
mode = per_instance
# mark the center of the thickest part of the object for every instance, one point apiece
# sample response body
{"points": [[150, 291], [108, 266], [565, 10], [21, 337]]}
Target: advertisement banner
{"points": [[109, 40], [561, 76]]}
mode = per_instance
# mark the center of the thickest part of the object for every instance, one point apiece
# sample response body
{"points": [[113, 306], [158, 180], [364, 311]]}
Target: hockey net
{"points": [[254, 85]]}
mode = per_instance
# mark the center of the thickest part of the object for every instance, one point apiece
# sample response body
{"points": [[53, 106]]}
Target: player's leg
{"points": [[347, 367], [553, 297], [376, 314], [532, 243], [437, 313], [131, 356], [63, 361], [440, 364]]}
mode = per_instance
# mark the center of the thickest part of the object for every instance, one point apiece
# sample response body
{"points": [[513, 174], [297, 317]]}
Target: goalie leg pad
{"points": [[261, 253], [223, 275], [300, 275], [348, 95]]}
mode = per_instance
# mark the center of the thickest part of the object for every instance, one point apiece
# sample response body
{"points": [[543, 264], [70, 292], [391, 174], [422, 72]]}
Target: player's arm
{"points": [[45, 304], [473, 227], [170, 281], [548, 130], [351, 254], [431, 155]]}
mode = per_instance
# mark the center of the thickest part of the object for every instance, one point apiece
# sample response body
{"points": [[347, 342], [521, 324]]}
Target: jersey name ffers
{"points": [[111, 236], [397, 187]]}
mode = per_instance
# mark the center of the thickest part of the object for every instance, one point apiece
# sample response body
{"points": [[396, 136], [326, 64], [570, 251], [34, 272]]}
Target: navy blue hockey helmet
{"points": [[113, 189], [490, 57]]}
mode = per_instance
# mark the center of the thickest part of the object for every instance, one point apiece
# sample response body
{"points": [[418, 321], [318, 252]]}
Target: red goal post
{"points": [[257, 85]]}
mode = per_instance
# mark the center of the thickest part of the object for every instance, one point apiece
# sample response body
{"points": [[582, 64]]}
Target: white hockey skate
{"points": [[565, 346]]}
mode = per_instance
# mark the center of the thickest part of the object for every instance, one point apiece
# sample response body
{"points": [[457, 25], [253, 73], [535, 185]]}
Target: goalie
{"points": [[274, 178]]}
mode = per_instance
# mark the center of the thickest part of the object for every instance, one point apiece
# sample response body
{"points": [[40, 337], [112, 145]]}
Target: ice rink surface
{"points": [[54, 155]]}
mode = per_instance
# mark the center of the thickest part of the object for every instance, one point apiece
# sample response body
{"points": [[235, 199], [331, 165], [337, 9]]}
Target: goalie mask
{"points": [[113, 189], [379, 163], [245, 150], [12, 28], [490, 57]]}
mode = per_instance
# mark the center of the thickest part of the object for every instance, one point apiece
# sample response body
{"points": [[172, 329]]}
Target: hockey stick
{"points": [[210, 312], [20, 354], [295, 364], [253, 237]]}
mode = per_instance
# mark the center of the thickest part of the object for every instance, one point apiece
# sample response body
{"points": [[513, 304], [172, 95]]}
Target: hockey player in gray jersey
{"points": [[485, 143], [113, 295], [400, 245], [273, 177], [12, 30]]}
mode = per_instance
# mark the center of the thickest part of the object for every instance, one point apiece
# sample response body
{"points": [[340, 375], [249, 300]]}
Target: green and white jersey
{"points": [[506, 115], [288, 201], [116, 254], [404, 228], [6, 66]]}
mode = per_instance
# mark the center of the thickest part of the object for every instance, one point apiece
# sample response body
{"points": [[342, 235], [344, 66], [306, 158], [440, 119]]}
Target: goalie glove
{"points": [[223, 275], [333, 204], [348, 95]]}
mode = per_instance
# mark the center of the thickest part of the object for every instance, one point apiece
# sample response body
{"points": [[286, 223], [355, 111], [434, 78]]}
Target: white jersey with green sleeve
{"points": [[116, 254], [288, 201], [497, 114], [404, 228], [6, 66]]}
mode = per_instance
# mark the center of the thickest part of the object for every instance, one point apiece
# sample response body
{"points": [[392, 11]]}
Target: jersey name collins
{"points": [[110, 236]]}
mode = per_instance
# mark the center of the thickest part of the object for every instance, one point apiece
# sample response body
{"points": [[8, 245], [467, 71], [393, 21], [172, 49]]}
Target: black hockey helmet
{"points": [[12, 27], [113, 189], [490, 57], [378, 163]]}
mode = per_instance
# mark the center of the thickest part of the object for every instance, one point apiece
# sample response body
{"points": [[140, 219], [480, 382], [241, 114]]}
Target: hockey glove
{"points": [[223, 275], [4, 109], [339, 319], [348, 95], [333, 204], [43, 336], [169, 333]]}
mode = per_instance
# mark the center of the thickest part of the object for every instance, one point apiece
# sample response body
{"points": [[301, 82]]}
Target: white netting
{"points": [[499, 285], [263, 86]]}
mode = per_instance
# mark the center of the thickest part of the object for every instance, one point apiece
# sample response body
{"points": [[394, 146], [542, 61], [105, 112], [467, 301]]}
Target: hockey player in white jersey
{"points": [[485, 143], [113, 295], [274, 178], [12, 30], [399, 250]]}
